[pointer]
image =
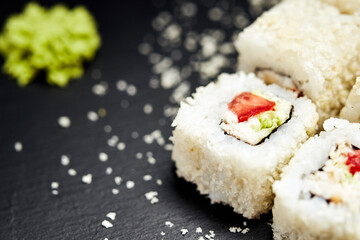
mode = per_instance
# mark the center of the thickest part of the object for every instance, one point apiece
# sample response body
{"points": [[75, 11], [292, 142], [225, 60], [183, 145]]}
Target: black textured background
{"points": [[28, 210]]}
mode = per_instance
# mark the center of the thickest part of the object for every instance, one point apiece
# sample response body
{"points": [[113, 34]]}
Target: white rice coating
{"points": [[312, 42], [224, 168], [296, 218]]}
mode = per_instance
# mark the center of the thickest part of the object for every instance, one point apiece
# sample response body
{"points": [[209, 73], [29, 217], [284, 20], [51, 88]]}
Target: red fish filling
{"points": [[353, 162], [246, 105]]}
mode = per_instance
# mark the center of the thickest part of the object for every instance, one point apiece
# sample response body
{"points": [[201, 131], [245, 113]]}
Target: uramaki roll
{"points": [[309, 45], [318, 196], [233, 137]]}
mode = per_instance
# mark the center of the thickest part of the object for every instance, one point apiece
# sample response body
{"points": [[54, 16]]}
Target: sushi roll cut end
{"points": [[252, 116]]}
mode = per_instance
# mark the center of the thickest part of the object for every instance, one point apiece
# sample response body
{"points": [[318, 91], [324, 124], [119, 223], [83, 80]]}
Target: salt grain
{"points": [[115, 191], [54, 185], [162, 234], [111, 215], [18, 146], [147, 177], [139, 155], [124, 103], [100, 89], [168, 147], [184, 231], [96, 74], [169, 224], [154, 58], [151, 160], [154, 200], [121, 146], [130, 184], [121, 85], [131, 90], [55, 192], [170, 78], [201, 238], [246, 230], [188, 9], [148, 108], [108, 170], [198, 230], [215, 14], [64, 160], [134, 134], [103, 157], [159, 182], [172, 32], [108, 129], [117, 180], [64, 121], [150, 195], [113, 141], [72, 172], [144, 48], [92, 116], [87, 178], [235, 229], [106, 224]]}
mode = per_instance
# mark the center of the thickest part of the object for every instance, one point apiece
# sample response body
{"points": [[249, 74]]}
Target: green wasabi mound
{"points": [[55, 40]]}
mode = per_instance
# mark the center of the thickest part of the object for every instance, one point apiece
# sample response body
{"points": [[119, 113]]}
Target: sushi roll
{"points": [[233, 137], [318, 196], [310, 46]]}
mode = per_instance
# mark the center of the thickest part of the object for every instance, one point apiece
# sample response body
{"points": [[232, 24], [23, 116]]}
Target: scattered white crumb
{"points": [[151, 160], [201, 238], [103, 157], [87, 178], [180, 92], [111, 215], [113, 141], [147, 177], [150, 195], [188, 9], [184, 231], [106, 239], [108, 129], [117, 180], [168, 147], [144, 48], [64, 160], [92, 116], [18, 146], [159, 182], [54, 185], [215, 14], [170, 78], [96, 74], [245, 223], [172, 32], [198, 230], [121, 85], [108, 170], [149, 154], [121, 146], [55, 192], [131, 90], [212, 233], [64, 121], [106, 224], [100, 89], [162, 234], [148, 108], [72, 172], [124, 103], [169, 224], [154, 83], [154, 200], [235, 229], [246, 230], [115, 191], [134, 134], [130, 184], [139, 155], [162, 66]]}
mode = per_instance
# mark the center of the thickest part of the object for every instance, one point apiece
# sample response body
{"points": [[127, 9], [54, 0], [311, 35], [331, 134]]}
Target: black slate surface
{"points": [[28, 209]]}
